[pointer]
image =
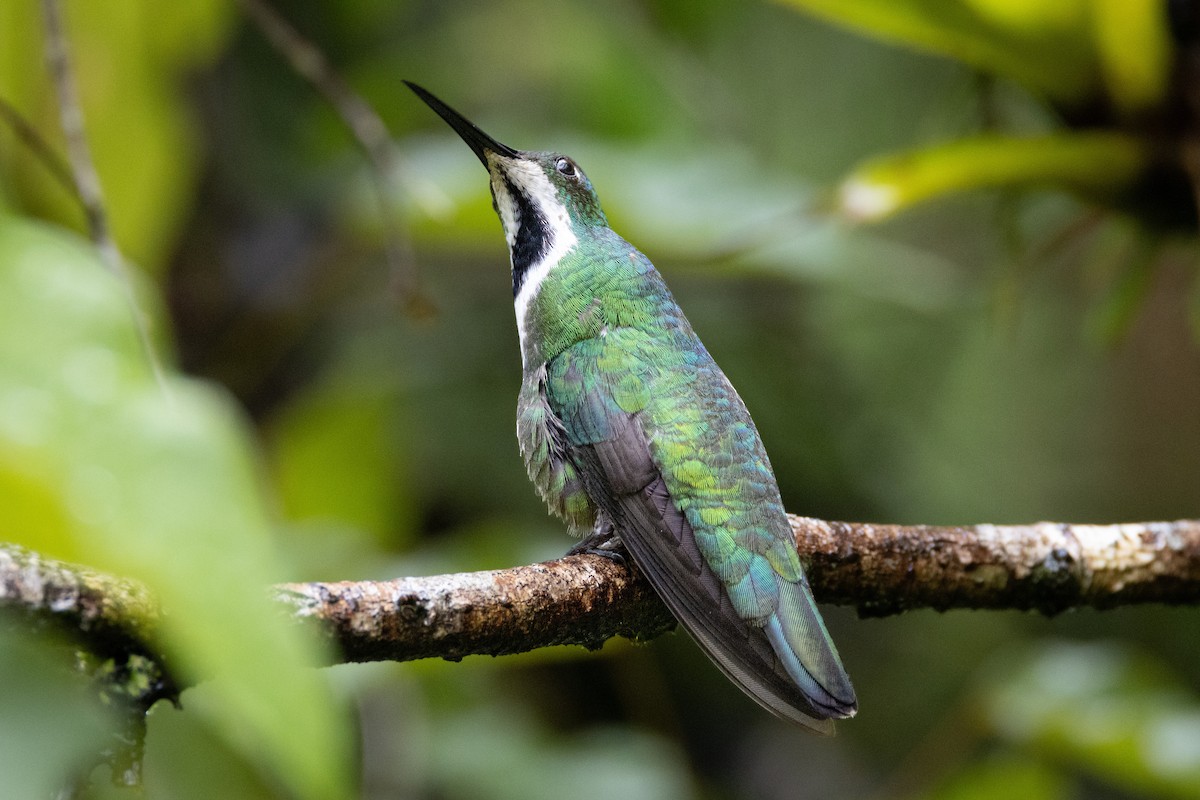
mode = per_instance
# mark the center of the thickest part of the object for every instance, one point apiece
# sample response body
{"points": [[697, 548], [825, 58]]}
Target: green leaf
{"points": [[102, 465], [530, 763], [1134, 48], [1090, 163], [1193, 309], [1111, 321]]}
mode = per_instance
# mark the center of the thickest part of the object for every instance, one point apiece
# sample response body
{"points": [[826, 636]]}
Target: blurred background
{"points": [[923, 334]]}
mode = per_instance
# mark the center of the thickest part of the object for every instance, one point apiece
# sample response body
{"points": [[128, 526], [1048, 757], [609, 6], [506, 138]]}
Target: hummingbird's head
{"points": [[543, 199]]}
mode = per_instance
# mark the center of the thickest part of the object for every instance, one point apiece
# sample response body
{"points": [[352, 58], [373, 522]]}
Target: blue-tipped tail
{"points": [[807, 653]]}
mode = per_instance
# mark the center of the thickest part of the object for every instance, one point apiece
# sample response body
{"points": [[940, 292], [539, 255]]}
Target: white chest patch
{"points": [[529, 179]]}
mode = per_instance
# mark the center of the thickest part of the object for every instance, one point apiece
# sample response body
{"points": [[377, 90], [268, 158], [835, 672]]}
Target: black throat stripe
{"points": [[533, 236]]}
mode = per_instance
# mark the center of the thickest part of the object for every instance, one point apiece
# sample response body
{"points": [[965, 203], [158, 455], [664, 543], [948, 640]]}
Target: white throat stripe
{"points": [[529, 179]]}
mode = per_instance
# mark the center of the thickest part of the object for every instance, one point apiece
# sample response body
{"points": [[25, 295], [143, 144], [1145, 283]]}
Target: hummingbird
{"points": [[633, 435]]}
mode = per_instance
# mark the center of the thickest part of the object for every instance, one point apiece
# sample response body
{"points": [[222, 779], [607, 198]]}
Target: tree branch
{"points": [[1047, 567], [113, 619], [109, 616], [585, 600]]}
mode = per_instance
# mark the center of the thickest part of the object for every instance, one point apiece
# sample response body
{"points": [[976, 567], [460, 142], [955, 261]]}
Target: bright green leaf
{"points": [[1091, 163], [1067, 50], [1135, 51], [1004, 778]]}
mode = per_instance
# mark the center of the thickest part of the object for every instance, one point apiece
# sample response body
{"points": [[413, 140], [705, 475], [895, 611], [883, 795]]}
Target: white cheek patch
{"points": [[528, 179], [506, 207]]}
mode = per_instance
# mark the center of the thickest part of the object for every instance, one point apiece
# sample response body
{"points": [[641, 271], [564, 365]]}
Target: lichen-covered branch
{"points": [[582, 600], [1047, 566], [585, 600], [111, 617]]}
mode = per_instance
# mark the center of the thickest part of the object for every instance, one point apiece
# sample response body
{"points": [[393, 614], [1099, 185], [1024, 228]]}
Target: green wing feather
{"points": [[669, 452]]}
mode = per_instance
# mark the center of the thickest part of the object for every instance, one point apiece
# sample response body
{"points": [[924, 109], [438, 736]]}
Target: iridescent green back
{"points": [[615, 374]]}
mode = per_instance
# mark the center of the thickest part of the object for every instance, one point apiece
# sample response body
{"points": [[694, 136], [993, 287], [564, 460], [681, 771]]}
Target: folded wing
{"points": [[781, 655]]}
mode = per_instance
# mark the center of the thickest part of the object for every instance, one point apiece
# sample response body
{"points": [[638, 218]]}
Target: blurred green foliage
{"points": [[1103, 63], [132, 57], [1069, 51], [1115, 714], [1006, 353], [53, 724], [102, 464]]}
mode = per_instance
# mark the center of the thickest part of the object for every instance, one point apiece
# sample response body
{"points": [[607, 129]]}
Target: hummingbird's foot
{"points": [[603, 541], [616, 556]]}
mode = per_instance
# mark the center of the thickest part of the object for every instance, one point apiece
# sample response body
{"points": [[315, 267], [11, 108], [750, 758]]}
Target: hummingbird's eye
{"points": [[565, 167]]}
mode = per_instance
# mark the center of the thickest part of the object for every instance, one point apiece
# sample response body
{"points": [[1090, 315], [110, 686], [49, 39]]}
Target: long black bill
{"points": [[476, 139]]}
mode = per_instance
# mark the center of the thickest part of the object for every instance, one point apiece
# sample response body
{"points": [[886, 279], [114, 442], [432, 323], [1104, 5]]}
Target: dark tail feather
{"points": [[663, 544], [621, 475], [807, 653]]}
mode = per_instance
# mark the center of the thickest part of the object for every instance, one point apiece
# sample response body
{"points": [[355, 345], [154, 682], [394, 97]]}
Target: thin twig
{"points": [[38, 145], [368, 130], [83, 172]]}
